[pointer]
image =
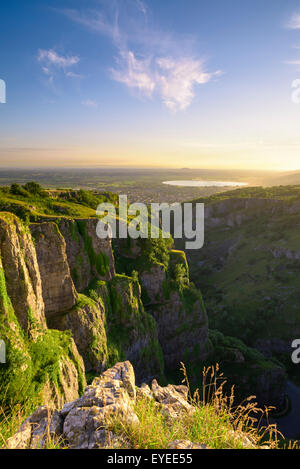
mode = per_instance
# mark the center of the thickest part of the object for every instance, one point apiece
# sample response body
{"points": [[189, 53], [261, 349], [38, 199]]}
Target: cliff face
{"points": [[88, 256], [170, 298], [132, 330], [87, 322], [59, 293], [41, 364], [78, 259], [151, 315], [108, 323], [181, 318], [234, 212], [23, 283]]}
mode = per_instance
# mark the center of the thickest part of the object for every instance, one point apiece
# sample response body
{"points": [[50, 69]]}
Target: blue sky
{"points": [[150, 83]]}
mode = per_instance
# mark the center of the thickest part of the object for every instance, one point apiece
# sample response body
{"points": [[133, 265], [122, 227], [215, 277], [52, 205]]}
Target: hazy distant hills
{"points": [[286, 178]]}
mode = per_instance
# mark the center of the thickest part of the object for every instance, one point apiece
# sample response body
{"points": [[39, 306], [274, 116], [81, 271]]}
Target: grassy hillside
{"points": [[30, 202], [249, 268]]}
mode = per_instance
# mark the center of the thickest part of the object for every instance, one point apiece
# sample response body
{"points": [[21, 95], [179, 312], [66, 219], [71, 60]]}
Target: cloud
{"points": [[172, 75], [51, 62], [142, 7], [95, 21], [173, 80], [50, 57], [294, 22], [177, 78], [293, 62], [90, 103], [135, 73]]}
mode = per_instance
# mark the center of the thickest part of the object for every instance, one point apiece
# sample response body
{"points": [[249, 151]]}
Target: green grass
{"points": [[43, 204], [215, 422]]}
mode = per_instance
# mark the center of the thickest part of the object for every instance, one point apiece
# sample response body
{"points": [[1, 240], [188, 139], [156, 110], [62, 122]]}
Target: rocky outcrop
{"points": [[173, 399], [97, 419], [87, 321], [59, 293], [82, 424], [21, 273]]}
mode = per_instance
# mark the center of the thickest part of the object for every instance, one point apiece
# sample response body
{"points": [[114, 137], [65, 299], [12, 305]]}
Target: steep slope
{"points": [[151, 314], [168, 295], [41, 365], [249, 268], [59, 293], [108, 322]]}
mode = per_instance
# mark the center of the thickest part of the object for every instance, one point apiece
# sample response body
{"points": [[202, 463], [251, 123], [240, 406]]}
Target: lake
{"points": [[193, 183]]}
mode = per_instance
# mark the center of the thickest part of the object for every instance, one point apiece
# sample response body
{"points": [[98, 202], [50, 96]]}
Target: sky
{"points": [[150, 83]]}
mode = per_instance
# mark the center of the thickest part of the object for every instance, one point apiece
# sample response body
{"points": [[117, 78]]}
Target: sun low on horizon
{"points": [[140, 83]]}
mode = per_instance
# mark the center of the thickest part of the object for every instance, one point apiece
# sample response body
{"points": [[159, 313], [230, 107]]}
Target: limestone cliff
{"points": [[89, 257], [21, 272], [87, 321], [41, 365], [108, 322], [59, 293], [132, 330], [171, 299], [151, 315]]}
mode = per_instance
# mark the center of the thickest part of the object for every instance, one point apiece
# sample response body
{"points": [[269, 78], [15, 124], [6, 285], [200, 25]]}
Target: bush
{"points": [[35, 189], [16, 189]]}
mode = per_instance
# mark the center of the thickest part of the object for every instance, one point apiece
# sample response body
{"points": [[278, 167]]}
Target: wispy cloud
{"points": [[51, 57], [294, 22], [173, 80], [51, 62], [90, 103], [293, 62], [173, 74], [142, 7], [134, 73], [177, 78], [95, 21]]}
